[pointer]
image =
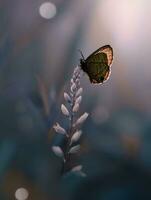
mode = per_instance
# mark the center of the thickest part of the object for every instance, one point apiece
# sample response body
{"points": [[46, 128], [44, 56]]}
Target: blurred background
{"points": [[39, 42]]}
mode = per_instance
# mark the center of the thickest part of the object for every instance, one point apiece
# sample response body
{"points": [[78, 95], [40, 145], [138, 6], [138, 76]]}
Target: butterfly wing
{"points": [[97, 67], [98, 64], [107, 49]]}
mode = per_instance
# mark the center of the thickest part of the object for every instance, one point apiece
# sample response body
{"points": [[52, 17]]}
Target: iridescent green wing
{"points": [[97, 67]]}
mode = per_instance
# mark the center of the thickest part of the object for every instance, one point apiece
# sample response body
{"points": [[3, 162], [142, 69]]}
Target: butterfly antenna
{"points": [[81, 54]]}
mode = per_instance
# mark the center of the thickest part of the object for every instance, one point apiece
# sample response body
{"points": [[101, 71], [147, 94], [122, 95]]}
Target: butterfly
{"points": [[98, 64]]}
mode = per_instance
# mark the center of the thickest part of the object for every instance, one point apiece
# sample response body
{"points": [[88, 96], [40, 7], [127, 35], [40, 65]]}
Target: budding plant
{"points": [[73, 133]]}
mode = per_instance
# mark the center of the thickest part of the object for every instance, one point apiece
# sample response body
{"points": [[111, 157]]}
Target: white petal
{"points": [[75, 107], [76, 168], [76, 136], [67, 97], [73, 87], [64, 110], [81, 119], [77, 69], [74, 149], [58, 151], [59, 129], [72, 81], [79, 75], [79, 92], [77, 81], [78, 100]]}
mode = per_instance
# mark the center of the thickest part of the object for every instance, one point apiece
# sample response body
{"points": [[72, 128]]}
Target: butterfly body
{"points": [[98, 64]]}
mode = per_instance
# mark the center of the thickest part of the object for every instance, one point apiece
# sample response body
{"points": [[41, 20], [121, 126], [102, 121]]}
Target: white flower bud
{"points": [[81, 119], [67, 97], [76, 168], [76, 136], [79, 75], [77, 81], [79, 92], [74, 149], [74, 77], [59, 129], [76, 70], [72, 81], [58, 151], [78, 100], [64, 110], [75, 107], [73, 87]]}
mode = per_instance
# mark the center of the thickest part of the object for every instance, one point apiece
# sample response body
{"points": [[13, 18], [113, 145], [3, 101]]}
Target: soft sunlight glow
{"points": [[123, 19], [21, 194], [120, 22], [47, 10]]}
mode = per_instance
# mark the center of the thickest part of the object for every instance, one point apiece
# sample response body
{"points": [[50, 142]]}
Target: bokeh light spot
{"points": [[21, 194], [47, 10]]}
